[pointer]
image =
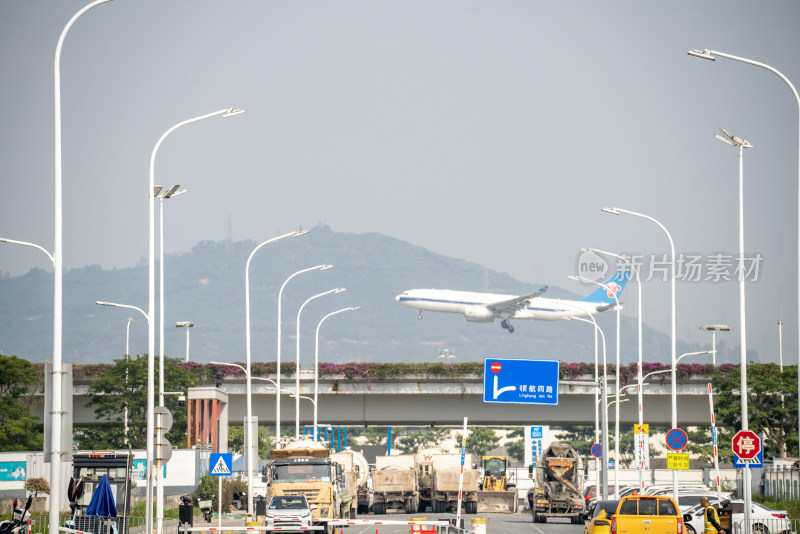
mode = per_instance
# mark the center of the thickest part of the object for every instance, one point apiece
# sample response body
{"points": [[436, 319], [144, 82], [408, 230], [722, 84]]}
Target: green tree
{"points": [[515, 446], [266, 440], [422, 438], [771, 406], [122, 385], [19, 428], [481, 440], [580, 437]]}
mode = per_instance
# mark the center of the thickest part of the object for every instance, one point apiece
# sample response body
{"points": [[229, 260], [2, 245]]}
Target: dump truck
{"points": [[423, 461], [497, 488], [305, 467], [558, 484], [355, 470], [446, 473], [394, 484]]}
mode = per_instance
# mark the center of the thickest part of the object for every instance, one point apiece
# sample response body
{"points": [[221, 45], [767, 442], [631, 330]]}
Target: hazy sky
{"points": [[492, 131]]}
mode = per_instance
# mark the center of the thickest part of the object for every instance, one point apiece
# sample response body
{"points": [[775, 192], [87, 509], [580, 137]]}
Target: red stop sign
{"points": [[496, 367], [746, 445]]}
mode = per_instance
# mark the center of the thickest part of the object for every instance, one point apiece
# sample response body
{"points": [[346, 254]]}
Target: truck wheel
{"points": [[353, 511], [379, 508]]}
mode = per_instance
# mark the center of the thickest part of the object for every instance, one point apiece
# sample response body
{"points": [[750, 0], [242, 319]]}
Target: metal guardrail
{"points": [[768, 526]]}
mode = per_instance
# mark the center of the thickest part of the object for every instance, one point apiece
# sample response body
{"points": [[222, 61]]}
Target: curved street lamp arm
{"points": [[25, 243], [128, 306]]}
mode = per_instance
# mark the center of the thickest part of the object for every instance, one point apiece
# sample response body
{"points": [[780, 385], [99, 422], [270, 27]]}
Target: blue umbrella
{"points": [[102, 503]]}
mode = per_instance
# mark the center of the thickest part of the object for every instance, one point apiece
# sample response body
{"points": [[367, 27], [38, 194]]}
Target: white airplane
{"points": [[486, 307]]}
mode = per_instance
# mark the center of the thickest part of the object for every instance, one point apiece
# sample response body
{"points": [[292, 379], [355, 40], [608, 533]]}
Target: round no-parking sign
{"points": [[677, 439]]}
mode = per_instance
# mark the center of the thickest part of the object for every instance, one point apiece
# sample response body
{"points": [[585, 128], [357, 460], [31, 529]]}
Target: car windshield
{"points": [[288, 503], [302, 473], [495, 467]]}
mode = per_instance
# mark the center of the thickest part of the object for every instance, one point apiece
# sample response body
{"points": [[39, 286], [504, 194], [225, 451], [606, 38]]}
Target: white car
{"points": [[288, 512], [764, 520]]}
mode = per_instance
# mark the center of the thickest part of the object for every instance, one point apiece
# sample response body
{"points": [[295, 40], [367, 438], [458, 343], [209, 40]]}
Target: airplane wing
{"points": [[511, 306]]}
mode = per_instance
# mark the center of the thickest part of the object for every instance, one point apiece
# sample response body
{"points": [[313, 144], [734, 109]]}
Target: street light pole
{"points": [[604, 415], [187, 325], [297, 368], [127, 343], [316, 359], [127, 359], [711, 55], [152, 192], [640, 442], [713, 328], [741, 144], [613, 294], [249, 458], [278, 368], [673, 332], [56, 491]]}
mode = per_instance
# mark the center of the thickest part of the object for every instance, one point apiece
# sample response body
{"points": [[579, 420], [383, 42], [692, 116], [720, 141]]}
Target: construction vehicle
{"points": [[355, 470], [305, 467], [445, 478], [497, 489], [423, 461], [394, 484], [558, 484]]}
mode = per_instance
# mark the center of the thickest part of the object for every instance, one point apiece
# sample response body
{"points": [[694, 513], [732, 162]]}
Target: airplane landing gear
{"points": [[420, 315], [507, 325]]}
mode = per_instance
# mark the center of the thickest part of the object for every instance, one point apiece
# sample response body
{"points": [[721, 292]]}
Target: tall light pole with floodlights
{"points": [[187, 325], [249, 422], [711, 55], [151, 191], [604, 397], [612, 291], [57, 413], [297, 369], [322, 267], [634, 273], [673, 333], [713, 329], [161, 194], [316, 359], [741, 144]]}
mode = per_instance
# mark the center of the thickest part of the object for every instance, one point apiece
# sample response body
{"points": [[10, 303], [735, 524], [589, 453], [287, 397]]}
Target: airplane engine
{"points": [[478, 314]]}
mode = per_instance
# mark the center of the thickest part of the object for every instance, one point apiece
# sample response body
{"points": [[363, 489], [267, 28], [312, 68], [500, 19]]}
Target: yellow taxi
{"points": [[598, 519], [647, 514]]}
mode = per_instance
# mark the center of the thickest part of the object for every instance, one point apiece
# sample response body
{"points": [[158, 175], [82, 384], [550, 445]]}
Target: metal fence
{"points": [[781, 482], [95, 525], [768, 526]]}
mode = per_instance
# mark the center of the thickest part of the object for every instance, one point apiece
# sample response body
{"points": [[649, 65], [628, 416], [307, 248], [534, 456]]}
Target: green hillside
{"points": [[206, 286]]}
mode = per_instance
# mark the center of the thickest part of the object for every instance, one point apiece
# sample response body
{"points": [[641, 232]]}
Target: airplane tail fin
{"points": [[612, 287]]}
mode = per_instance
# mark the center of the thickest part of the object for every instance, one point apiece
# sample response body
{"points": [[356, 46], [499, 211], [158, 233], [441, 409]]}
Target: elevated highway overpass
{"points": [[441, 401]]}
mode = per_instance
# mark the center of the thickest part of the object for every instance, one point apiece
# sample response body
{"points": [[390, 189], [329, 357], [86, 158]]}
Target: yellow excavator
{"points": [[497, 490]]}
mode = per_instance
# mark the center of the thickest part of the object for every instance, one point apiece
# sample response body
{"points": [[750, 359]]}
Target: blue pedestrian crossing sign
{"points": [[221, 464], [516, 381]]}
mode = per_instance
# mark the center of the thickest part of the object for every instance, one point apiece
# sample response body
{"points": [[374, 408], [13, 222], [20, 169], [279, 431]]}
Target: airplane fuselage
{"points": [[474, 305]]}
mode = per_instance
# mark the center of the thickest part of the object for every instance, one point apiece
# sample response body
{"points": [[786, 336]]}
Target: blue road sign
{"points": [[221, 464], [508, 381], [536, 432], [677, 439], [758, 461], [597, 450]]}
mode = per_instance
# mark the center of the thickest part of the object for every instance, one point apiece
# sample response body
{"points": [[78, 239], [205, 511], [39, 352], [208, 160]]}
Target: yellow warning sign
{"points": [[678, 460], [645, 429]]}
